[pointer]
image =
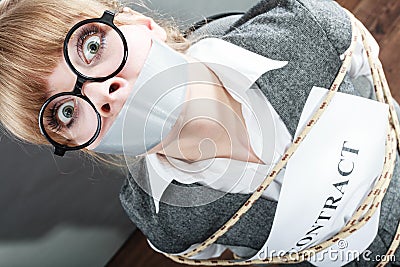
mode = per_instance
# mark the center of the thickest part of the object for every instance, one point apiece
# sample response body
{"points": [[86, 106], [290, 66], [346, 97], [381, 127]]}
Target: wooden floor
{"points": [[382, 18]]}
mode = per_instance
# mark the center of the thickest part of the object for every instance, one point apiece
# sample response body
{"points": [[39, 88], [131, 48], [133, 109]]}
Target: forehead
{"points": [[62, 79]]}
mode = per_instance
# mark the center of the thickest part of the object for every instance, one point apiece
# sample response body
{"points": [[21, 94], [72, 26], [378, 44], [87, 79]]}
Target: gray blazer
{"points": [[311, 35]]}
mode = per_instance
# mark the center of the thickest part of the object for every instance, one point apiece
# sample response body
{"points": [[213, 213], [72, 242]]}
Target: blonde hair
{"points": [[31, 38]]}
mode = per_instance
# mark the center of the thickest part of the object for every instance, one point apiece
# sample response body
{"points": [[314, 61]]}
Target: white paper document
{"points": [[328, 177]]}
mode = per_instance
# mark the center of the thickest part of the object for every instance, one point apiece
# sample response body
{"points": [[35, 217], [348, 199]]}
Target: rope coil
{"points": [[370, 204]]}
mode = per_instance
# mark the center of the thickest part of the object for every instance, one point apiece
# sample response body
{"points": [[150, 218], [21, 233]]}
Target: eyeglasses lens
{"points": [[70, 120], [95, 50]]}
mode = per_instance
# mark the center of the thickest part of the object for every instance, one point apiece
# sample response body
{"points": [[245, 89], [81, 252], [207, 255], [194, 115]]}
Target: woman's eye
{"points": [[91, 47], [66, 112], [90, 41]]}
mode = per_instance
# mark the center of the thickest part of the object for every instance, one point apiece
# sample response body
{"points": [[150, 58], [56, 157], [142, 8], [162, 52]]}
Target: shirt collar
{"points": [[226, 60]]}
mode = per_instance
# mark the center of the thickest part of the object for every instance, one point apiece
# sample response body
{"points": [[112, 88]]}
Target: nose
{"points": [[108, 97]]}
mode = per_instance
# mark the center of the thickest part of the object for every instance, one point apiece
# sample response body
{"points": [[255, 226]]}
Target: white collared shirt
{"points": [[262, 123]]}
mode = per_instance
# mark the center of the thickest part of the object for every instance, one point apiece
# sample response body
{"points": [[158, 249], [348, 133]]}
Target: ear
{"points": [[157, 30]]}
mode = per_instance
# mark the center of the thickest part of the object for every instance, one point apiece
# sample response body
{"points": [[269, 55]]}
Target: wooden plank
{"points": [[378, 16], [349, 4], [390, 57], [382, 19]]}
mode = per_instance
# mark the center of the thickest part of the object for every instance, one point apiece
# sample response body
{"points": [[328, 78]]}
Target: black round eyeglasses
{"points": [[95, 50]]}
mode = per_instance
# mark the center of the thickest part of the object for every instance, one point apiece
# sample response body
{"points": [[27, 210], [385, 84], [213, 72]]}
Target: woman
{"points": [[215, 130]]}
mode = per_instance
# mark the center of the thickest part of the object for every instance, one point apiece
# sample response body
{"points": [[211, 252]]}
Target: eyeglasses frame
{"points": [[108, 19]]}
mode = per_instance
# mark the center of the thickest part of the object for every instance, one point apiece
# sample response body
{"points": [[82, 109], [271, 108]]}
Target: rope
{"points": [[370, 204]]}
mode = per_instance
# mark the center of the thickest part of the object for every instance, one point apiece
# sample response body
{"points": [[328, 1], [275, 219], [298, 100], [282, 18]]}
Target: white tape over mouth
{"points": [[153, 106]]}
